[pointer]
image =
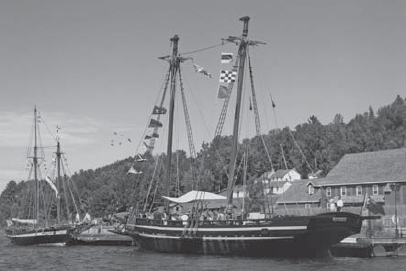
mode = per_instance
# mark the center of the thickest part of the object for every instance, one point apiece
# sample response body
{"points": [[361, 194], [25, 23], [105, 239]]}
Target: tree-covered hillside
{"points": [[310, 147]]}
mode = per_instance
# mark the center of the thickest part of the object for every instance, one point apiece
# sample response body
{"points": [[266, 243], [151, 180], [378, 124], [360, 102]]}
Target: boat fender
{"points": [[264, 232]]}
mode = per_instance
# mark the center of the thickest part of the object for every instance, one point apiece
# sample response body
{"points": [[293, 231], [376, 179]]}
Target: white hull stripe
{"points": [[239, 229], [36, 234], [231, 238]]}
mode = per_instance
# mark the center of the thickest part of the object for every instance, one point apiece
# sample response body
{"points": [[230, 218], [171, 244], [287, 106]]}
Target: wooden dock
{"points": [[365, 247]]}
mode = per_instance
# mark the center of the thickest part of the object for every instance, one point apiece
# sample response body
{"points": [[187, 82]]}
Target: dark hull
{"points": [[40, 236], [277, 237]]}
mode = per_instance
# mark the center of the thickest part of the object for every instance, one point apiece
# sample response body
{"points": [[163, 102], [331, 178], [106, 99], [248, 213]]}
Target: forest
{"points": [[311, 147]]}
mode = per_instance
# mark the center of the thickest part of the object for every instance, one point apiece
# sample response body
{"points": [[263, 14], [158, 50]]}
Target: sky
{"points": [[92, 68]]}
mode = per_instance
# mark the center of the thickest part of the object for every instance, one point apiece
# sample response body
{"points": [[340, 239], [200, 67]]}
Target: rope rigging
{"points": [[224, 42], [189, 130], [257, 121]]}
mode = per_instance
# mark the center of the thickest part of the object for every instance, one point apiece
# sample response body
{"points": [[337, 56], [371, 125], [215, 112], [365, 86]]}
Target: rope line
{"points": [[204, 49]]}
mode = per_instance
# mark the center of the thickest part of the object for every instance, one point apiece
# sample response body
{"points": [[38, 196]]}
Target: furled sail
{"points": [[24, 221], [52, 185]]}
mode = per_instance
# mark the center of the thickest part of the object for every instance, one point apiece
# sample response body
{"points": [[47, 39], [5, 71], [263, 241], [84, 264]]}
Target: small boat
{"points": [[102, 235], [41, 228], [104, 232], [270, 236]]}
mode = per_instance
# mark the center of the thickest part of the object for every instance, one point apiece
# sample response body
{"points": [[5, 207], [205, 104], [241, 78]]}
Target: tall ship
{"points": [[40, 219], [228, 233]]}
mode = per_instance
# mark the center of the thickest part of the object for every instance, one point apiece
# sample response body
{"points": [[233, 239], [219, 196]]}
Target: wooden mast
{"points": [[242, 53], [58, 161], [174, 63], [35, 164]]}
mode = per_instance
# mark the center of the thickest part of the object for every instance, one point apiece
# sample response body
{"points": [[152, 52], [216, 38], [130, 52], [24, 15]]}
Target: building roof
{"points": [[368, 167], [195, 195], [279, 174], [299, 193]]}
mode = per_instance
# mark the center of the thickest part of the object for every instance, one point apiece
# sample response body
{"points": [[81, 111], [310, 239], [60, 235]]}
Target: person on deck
{"points": [[332, 205], [340, 204]]}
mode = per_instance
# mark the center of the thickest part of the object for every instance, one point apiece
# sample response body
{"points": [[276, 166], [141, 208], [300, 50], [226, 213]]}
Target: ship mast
{"points": [[58, 161], [35, 165], [244, 42], [174, 68], [242, 53]]}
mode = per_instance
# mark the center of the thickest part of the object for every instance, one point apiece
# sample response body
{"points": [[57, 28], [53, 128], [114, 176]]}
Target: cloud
{"points": [[16, 129]]}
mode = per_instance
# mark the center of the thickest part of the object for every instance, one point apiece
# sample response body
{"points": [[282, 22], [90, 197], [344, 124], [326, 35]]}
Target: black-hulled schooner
{"points": [[291, 236], [38, 226]]}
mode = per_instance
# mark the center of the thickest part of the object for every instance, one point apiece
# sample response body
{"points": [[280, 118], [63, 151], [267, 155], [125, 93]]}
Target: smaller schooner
{"points": [[41, 227]]}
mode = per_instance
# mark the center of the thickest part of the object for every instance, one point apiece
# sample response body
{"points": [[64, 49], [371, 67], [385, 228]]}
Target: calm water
{"points": [[128, 258]]}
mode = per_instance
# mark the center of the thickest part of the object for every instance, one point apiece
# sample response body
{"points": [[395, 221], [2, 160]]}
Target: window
{"points": [[343, 191], [375, 190], [307, 206], [358, 190], [311, 189], [328, 191]]}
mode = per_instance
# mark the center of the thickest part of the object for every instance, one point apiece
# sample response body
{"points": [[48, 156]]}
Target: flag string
{"points": [[206, 48]]}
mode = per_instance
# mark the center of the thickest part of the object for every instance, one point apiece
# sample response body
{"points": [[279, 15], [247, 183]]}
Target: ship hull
{"points": [[40, 236], [277, 237]]}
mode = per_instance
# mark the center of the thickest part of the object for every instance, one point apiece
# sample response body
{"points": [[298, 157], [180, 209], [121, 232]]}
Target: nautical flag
{"points": [[223, 92], [374, 207], [134, 171], [49, 181], [158, 110], [227, 76], [154, 123], [140, 158], [226, 57], [199, 69], [154, 135]]}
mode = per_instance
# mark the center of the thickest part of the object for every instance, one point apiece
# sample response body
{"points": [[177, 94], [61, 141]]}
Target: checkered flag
{"points": [[227, 76]]}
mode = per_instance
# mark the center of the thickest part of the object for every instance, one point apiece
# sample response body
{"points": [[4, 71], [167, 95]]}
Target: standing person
{"points": [[332, 205], [340, 204]]}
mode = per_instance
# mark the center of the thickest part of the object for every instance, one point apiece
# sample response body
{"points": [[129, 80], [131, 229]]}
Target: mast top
{"points": [[245, 18], [175, 38], [245, 29]]}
